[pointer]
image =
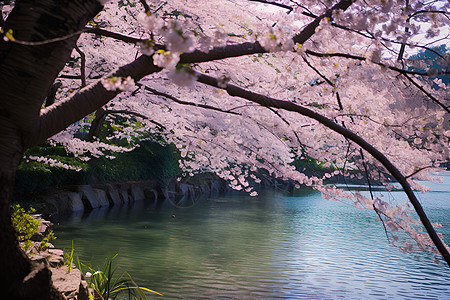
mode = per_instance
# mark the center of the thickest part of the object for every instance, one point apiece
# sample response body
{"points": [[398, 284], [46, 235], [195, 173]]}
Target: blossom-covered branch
{"points": [[236, 91]]}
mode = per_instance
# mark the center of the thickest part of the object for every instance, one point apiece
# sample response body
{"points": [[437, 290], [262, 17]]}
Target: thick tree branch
{"points": [[236, 91], [310, 29], [60, 115]]}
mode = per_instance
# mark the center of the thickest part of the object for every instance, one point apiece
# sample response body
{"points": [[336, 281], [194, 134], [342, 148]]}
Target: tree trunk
{"points": [[26, 74]]}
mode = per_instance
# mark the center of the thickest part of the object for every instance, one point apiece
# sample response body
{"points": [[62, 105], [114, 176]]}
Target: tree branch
{"points": [[145, 5], [361, 58], [289, 8], [428, 94], [179, 101], [100, 116], [60, 115], [236, 91], [82, 66], [310, 29]]}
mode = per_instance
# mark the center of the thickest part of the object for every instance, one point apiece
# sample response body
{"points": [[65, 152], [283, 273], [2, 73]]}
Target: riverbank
{"points": [[64, 201]]}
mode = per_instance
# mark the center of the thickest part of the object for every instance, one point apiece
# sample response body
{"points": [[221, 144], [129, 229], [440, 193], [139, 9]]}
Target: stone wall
{"points": [[84, 198]]}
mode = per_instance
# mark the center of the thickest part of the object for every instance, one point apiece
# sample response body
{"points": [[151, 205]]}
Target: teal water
{"points": [[266, 247]]}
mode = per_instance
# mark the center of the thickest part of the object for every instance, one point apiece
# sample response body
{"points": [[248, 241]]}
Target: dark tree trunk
{"points": [[26, 74]]}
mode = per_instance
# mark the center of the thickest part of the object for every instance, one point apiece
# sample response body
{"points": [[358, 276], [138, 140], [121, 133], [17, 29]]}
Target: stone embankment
{"points": [[84, 198]]}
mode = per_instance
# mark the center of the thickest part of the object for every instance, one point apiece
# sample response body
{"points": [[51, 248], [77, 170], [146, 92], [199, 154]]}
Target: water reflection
{"points": [[272, 246]]}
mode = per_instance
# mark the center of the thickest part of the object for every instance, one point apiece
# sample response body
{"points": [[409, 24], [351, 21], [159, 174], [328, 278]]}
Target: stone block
{"points": [[137, 192], [96, 197], [125, 196], [67, 283], [102, 198], [75, 203], [114, 196]]}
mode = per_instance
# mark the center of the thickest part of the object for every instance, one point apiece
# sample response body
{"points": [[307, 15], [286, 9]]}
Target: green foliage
{"points": [[311, 164], [25, 225], [108, 286], [150, 160], [34, 178], [47, 238]]}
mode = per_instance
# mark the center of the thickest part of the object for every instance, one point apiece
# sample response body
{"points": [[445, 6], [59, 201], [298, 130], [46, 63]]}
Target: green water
{"points": [[266, 247]]}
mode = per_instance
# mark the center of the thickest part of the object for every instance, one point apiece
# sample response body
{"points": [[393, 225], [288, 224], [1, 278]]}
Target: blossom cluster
{"points": [[276, 39], [177, 39], [118, 83], [52, 162]]}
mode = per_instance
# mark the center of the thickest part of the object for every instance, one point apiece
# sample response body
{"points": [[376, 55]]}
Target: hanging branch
{"points": [[266, 101], [446, 108], [82, 67], [361, 58]]}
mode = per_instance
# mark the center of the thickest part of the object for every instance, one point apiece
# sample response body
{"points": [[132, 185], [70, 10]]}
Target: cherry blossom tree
{"points": [[238, 86]]}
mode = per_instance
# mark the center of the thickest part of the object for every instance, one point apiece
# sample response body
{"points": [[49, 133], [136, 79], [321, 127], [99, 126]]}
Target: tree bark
{"points": [[26, 74]]}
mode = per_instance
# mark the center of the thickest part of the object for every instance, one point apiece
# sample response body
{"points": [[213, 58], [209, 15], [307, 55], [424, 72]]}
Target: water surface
{"points": [[266, 247]]}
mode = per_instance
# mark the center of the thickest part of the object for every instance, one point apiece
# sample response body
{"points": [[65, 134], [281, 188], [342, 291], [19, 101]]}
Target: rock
{"points": [[93, 198], [114, 196], [185, 189], [40, 257], [70, 284], [75, 203], [136, 193], [56, 257], [125, 196]]}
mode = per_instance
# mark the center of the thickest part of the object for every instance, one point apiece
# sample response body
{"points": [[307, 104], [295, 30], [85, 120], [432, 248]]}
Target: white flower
{"points": [[166, 59], [299, 48], [220, 38], [222, 81], [127, 84], [88, 274], [178, 40], [146, 47], [150, 21], [118, 83], [183, 76], [276, 40], [376, 56]]}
